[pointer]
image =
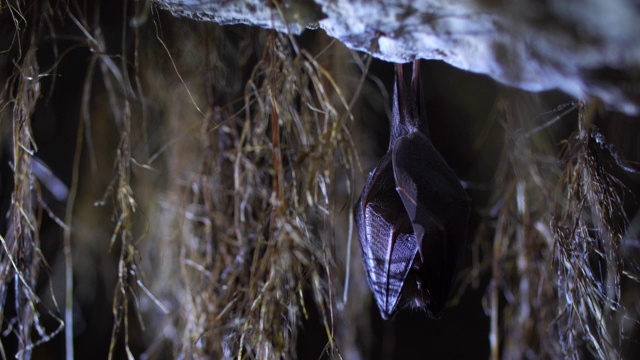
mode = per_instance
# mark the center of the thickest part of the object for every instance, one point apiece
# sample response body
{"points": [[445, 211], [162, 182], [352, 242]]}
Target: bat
{"points": [[412, 214]]}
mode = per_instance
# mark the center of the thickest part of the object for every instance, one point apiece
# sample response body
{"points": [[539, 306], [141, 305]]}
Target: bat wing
{"points": [[437, 207], [388, 249]]}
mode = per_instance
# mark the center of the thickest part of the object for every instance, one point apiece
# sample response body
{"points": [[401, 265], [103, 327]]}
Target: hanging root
{"points": [[562, 254], [20, 256], [255, 229], [588, 231], [519, 259]]}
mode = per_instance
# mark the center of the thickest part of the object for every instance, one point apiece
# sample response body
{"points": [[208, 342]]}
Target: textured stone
{"points": [[587, 48]]}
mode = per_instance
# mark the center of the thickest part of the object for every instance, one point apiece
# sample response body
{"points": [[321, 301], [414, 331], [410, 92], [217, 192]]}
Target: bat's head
{"points": [[419, 291]]}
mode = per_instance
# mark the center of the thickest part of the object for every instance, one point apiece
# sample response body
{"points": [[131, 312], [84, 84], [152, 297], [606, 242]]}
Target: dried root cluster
{"points": [[225, 156], [250, 223], [558, 223]]}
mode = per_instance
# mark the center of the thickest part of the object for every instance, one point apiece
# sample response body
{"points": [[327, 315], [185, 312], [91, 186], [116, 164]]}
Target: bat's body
{"points": [[412, 214]]}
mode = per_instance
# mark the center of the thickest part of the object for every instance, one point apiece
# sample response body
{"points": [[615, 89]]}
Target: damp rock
{"points": [[586, 48]]}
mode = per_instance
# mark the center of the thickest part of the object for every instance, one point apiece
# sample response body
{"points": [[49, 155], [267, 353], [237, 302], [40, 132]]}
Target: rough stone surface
{"points": [[587, 48]]}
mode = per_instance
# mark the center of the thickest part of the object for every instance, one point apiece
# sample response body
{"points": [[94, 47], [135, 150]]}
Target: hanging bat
{"points": [[412, 214]]}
